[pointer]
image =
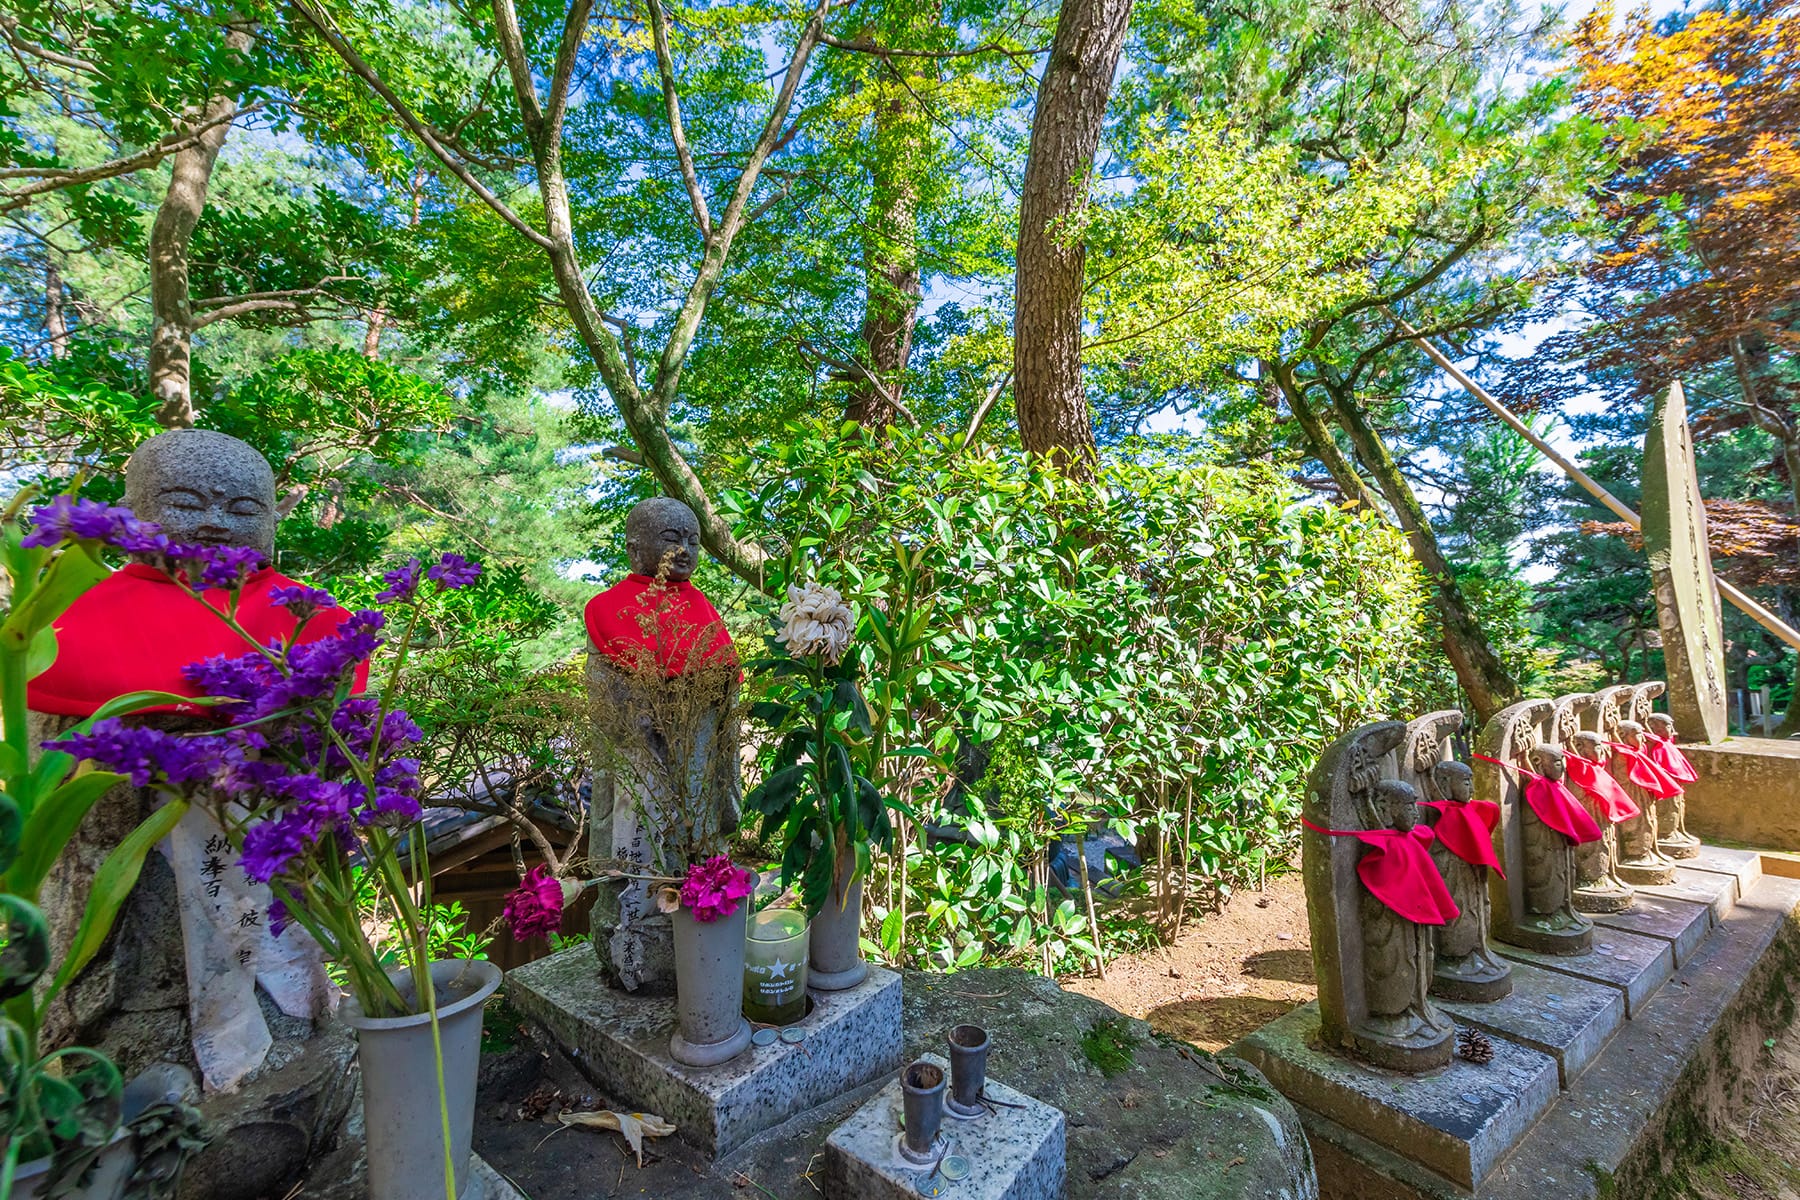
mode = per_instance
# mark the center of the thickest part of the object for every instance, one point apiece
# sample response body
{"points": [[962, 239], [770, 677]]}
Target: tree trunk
{"points": [[890, 257], [1318, 437], [1065, 132], [56, 325], [1484, 678], [171, 307]]}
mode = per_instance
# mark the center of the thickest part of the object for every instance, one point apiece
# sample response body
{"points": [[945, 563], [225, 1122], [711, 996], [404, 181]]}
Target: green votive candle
{"points": [[775, 948]]}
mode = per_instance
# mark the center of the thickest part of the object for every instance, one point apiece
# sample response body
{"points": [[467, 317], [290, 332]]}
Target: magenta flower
{"points": [[714, 887], [535, 909]]}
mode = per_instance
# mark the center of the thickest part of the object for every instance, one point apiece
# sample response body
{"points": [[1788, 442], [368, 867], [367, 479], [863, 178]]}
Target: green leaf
{"points": [[12, 834], [112, 884], [891, 928], [774, 795], [73, 572], [41, 653], [132, 702], [51, 824], [26, 954]]}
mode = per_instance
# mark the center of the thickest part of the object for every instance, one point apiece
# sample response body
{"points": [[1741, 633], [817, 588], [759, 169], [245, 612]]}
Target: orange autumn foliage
{"points": [[1704, 213]]}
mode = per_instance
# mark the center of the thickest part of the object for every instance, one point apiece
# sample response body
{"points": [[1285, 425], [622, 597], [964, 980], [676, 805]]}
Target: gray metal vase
{"points": [[968, 1070], [709, 988], [399, 1076], [922, 1087], [837, 962], [112, 1172]]}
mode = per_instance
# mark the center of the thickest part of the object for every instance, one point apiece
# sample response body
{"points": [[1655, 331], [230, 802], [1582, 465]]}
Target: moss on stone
{"points": [[1108, 1044]]}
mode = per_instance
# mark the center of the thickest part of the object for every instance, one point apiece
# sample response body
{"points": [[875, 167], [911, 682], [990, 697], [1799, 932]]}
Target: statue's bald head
{"points": [[1631, 733], [204, 488], [1662, 725], [1397, 803], [663, 535], [1454, 780]]}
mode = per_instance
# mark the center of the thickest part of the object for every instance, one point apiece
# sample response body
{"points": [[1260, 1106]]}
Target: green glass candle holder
{"points": [[775, 954]]}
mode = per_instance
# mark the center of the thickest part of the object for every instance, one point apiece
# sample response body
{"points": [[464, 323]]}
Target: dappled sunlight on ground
{"points": [[1230, 973]]}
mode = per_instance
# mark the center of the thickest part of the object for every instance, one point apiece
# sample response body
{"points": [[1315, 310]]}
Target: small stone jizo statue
{"points": [[1466, 966], [663, 693]]}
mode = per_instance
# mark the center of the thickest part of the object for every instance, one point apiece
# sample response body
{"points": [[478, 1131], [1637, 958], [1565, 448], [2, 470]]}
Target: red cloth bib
{"points": [[1398, 871], [1667, 755], [638, 621], [1557, 807], [1597, 783], [1644, 772], [136, 629], [1467, 830]]}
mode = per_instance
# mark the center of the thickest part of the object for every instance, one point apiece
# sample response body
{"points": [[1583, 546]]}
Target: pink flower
{"points": [[714, 887], [536, 908]]}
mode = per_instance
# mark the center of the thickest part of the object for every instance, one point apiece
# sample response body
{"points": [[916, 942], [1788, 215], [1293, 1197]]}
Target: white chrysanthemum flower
{"points": [[815, 620]]}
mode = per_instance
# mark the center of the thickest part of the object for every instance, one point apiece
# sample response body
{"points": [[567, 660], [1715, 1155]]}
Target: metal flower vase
{"points": [[401, 1115], [837, 963], [968, 1070], [709, 989], [922, 1087]]}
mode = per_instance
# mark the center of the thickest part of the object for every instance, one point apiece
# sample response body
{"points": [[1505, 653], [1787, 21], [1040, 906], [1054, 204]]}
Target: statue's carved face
{"points": [[659, 531], [1590, 745], [1662, 725], [1454, 780], [204, 488], [1548, 762], [1397, 804], [1631, 733]]}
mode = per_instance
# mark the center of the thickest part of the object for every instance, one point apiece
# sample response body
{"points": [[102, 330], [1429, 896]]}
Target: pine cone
{"points": [[1474, 1045]]}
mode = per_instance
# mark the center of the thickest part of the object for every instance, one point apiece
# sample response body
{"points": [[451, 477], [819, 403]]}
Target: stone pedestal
{"points": [[1014, 1153], [621, 1042], [1458, 1121]]}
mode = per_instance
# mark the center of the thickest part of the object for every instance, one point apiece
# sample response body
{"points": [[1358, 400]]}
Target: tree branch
{"points": [[50, 179], [557, 107], [687, 321], [321, 23], [665, 67]]}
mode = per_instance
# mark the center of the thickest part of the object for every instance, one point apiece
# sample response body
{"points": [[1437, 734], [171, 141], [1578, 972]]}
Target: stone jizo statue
{"points": [[191, 974], [1671, 812], [1540, 825], [662, 681], [1640, 859], [1599, 888], [1466, 966], [1374, 898]]}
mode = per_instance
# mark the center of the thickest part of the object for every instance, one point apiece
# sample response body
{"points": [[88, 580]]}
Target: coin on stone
{"points": [[793, 1037], [954, 1167], [763, 1037]]}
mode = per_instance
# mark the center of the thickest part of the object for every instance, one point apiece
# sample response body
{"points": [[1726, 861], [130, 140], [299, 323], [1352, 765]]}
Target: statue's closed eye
{"points": [[183, 499], [246, 506]]}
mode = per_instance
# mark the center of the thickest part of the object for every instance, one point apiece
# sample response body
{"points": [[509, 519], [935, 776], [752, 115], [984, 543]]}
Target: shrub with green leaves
{"points": [[1164, 650]]}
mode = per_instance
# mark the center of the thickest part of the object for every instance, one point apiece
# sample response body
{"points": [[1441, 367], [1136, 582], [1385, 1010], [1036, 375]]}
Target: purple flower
{"points": [[224, 566], [317, 808], [278, 918], [302, 601], [66, 517], [454, 571], [402, 583], [535, 907], [143, 754]]}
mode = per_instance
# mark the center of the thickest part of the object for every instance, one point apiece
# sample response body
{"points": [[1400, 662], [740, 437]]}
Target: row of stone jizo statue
{"points": [[1415, 860]]}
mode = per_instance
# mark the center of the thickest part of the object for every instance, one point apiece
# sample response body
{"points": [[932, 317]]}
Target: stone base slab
{"points": [[1457, 1121], [1717, 892], [621, 1042], [1748, 792], [1015, 1153], [1564, 1016], [485, 1183], [1681, 923], [1745, 866]]}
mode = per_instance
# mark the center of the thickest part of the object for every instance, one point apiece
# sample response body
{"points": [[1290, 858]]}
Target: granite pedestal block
{"points": [[1743, 865], [1457, 1121], [1634, 964], [1564, 1016], [1682, 924], [621, 1042], [1017, 1152], [1718, 892]]}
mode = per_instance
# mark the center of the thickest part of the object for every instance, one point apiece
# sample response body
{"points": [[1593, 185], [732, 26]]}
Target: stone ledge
{"points": [[1682, 924], [1564, 1016], [1457, 1121], [1634, 964], [621, 1043], [1748, 792]]}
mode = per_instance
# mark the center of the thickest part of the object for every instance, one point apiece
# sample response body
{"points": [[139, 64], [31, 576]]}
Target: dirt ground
{"points": [[1756, 1156], [1230, 973]]}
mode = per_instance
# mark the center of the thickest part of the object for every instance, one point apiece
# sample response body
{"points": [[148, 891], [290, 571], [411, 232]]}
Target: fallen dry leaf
{"points": [[635, 1126]]}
